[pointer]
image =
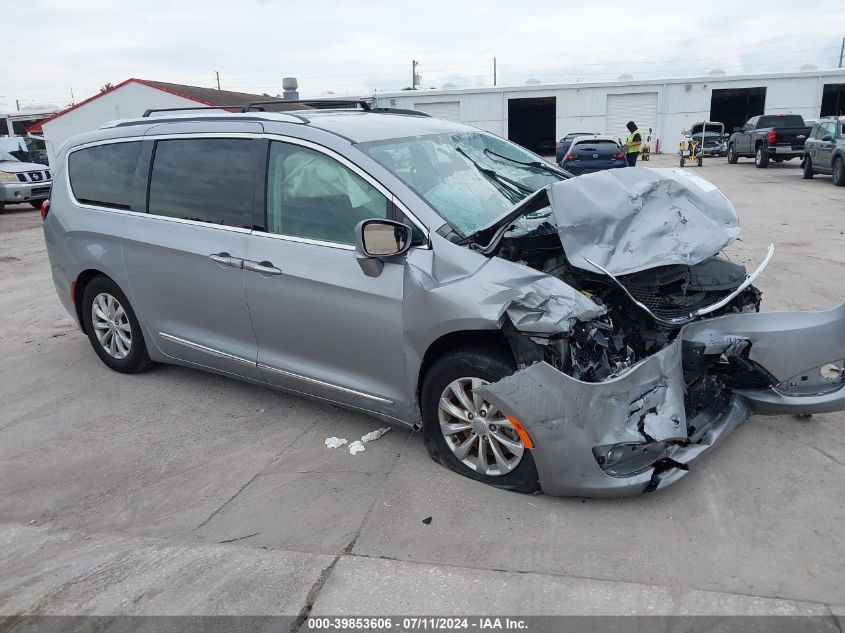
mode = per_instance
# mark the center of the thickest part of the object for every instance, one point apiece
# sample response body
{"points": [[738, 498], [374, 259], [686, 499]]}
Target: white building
{"points": [[129, 99], [537, 114]]}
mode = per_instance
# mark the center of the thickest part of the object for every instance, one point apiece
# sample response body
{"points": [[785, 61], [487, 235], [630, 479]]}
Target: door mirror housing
{"points": [[377, 240], [827, 138], [737, 129]]}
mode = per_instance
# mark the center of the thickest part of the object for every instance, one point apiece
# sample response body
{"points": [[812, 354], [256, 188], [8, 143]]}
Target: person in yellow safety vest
{"points": [[633, 144]]}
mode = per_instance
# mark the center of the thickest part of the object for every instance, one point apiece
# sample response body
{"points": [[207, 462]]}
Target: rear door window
{"points": [[202, 179], [102, 175]]}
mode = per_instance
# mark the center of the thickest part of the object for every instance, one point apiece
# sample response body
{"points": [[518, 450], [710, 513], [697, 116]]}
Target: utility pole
{"points": [[494, 71], [18, 104], [842, 52], [414, 64], [218, 79]]}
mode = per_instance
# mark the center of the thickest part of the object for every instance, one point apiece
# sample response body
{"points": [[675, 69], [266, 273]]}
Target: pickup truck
{"points": [[767, 137], [824, 152]]}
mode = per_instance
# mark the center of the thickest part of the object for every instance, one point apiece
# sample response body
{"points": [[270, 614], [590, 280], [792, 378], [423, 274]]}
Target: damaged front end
{"points": [[624, 402]]}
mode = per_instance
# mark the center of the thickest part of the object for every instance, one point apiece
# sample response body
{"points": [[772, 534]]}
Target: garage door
{"points": [[441, 109], [639, 107]]}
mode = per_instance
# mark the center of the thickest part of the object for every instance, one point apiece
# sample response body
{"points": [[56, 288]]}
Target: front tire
{"points": [[838, 172], [113, 328], [808, 169], [732, 157], [761, 158], [464, 433]]}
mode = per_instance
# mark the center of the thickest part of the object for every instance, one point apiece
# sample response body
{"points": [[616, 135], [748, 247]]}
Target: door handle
{"points": [[224, 259], [262, 268]]}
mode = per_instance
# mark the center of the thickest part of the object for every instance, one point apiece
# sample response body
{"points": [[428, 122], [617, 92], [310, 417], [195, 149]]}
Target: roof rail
{"points": [[208, 107], [401, 111], [314, 103], [317, 104]]}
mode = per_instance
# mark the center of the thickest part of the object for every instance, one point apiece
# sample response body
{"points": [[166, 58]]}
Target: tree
{"points": [[107, 86]]}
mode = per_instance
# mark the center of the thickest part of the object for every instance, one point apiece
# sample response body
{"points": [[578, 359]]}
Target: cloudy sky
{"points": [[358, 46]]}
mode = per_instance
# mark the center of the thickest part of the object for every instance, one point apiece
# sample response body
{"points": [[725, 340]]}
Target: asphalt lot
{"points": [[181, 492]]}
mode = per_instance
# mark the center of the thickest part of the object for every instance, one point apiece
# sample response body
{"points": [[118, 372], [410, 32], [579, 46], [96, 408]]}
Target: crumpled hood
{"points": [[629, 220]]}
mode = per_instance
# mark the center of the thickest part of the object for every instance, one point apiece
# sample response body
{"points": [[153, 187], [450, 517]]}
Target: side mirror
{"points": [[827, 138], [737, 129], [376, 240]]}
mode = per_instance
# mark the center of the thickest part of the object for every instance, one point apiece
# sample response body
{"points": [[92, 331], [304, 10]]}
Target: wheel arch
{"points": [[454, 340], [80, 283]]}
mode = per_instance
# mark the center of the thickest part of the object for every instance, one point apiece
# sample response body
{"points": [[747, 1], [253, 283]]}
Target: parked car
{"points": [[564, 143], [824, 151], [777, 137], [710, 136], [588, 154], [22, 182], [542, 331]]}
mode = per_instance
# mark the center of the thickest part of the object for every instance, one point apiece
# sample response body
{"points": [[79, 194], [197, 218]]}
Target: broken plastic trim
{"points": [[692, 316]]}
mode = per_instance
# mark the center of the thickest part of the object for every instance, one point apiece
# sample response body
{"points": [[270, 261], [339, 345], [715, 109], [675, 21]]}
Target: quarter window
{"points": [[102, 174], [314, 196], [206, 180]]}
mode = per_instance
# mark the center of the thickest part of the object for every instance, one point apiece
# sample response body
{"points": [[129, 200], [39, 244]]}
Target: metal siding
{"points": [[450, 110]]}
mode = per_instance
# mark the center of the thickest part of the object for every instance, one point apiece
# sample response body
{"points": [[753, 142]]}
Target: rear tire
{"points": [[116, 335], [761, 158], [35, 204], [838, 172], [808, 169], [732, 157], [490, 364]]}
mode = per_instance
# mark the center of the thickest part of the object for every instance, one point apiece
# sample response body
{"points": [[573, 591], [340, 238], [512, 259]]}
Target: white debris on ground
{"points": [[374, 435], [358, 445]]}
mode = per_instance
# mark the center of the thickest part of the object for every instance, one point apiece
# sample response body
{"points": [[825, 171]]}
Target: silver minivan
{"points": [[576, 335]]}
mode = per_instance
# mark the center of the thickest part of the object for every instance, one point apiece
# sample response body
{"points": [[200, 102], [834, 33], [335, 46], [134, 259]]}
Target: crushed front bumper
{"points": [[576, 426]]}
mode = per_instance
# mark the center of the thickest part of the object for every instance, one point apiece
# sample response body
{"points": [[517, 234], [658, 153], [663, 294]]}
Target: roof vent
{"points": [[717, 72], [532, 82], [625, 77]]}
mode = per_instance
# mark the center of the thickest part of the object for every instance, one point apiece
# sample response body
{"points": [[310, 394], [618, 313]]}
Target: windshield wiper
{"points": [[496, 176], [533, 163]]}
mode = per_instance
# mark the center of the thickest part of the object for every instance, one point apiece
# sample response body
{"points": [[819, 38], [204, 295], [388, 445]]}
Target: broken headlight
{"points": [[624, 460]]}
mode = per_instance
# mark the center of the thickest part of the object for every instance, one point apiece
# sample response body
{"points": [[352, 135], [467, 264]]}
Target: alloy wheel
{"points": [[479, 435], [111, 325]]}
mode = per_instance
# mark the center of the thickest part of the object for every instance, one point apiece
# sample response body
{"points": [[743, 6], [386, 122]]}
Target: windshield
{"points": [[35, 144], [4, 156], [469, 178]]}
